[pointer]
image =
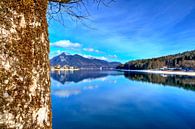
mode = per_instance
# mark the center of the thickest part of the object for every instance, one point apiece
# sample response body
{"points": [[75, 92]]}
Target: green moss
{"points": [[28, 58]]}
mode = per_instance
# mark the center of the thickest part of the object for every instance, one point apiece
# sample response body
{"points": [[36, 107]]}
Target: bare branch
{"points": [[66, 1], [60, 1], [76, 9]]}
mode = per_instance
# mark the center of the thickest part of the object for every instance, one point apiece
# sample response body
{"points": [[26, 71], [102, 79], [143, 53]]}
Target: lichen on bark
{"points": [[24, 65]]}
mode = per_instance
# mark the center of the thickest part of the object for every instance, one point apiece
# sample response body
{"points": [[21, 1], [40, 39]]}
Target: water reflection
{"points": [[77, 76], [186, 82], [66, 93], [117, 100]]}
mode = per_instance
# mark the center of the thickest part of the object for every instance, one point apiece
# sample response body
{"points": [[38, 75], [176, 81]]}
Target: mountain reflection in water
{"points": [[122, 100], [77, 76], [186, 82]]}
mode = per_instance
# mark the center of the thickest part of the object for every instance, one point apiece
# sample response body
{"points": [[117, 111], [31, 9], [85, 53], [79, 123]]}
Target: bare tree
{"points": [[24, 62]]}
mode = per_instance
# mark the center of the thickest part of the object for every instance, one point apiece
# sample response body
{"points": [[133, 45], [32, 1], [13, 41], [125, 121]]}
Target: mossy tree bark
{"points": [[24, 65]]}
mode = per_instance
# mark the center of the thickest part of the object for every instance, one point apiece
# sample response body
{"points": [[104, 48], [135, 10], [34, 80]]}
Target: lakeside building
{"points": [[165, 68], [65, 67]]}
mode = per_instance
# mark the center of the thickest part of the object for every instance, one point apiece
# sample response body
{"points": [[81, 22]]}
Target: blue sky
{"points": [[127, 30]]}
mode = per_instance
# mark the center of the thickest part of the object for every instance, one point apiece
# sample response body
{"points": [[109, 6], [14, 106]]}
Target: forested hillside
{"points": [[185, 60]]}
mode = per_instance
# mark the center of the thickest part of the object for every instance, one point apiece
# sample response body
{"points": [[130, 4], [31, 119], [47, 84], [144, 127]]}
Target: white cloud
{"points": [[113, 56], [95, 57], [87, 56], [102, 58], [66, 44], [91, 50]]}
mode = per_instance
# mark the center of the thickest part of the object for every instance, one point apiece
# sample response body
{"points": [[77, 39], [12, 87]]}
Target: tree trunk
{"points": [[24, 65]]}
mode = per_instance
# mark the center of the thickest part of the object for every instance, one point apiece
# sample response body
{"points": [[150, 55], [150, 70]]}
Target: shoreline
{"points": [[65, 69], [162, 72]]}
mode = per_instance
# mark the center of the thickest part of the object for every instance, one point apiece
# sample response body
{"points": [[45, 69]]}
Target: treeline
{"points": [[185, 82], [185, 60]]}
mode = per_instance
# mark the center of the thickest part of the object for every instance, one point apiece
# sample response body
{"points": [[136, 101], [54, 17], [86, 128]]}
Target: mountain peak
{"points": [[64, 53], [81, 61]]}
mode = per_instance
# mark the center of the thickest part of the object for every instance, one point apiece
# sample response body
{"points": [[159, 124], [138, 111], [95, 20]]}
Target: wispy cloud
{"points": [[95, 57], [113, 56], [66, 44], [135, 29], [91, 50], [102, 58]]}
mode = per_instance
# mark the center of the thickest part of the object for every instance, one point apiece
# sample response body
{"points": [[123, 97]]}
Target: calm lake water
{"points": [[117, 100]]}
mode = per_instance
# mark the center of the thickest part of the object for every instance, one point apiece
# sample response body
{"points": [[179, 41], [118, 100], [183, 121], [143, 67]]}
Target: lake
{"points": [[117, 100]]}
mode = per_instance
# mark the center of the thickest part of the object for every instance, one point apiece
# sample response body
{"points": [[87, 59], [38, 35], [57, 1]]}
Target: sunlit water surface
{"points": [[116, 100]]}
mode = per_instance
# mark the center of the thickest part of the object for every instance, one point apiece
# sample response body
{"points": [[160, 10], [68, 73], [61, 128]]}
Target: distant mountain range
{"points": [[81, 62], [185, 60]]}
